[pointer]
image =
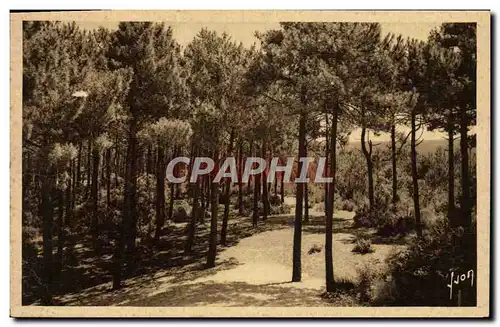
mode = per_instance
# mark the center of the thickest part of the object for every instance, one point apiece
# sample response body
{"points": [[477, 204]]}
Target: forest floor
{"points": [[254, 270]]}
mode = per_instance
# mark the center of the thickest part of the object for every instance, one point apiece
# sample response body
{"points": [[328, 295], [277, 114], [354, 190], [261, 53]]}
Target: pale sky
{"points": [[244, 32]]}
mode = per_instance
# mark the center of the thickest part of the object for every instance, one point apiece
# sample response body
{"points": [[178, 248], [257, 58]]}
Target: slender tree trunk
{"points": [[160, 191], [227, 195], [394, 167], [194, 213], [48, 224], [306, 198], [369, 163], [240, 176], [149, 162], [275, 186], [306, 203], [59, 229], [330, 281], [108, 178], [201, 218], [251, 149], [282, 188], [265, 189], [79, 165], [214, 199], [256, 188], [89, 164], [130, 193], [451, 176], [416, 200], [297, 233], [327, 153], [464, 154], [95, 201]]}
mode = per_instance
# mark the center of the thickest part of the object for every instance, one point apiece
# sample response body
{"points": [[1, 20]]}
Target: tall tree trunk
{"points": [[201, 218], [130, 193], [171, 201], [464, 155], [89, 165], [214, 199], [227, 195], [330, 281], [240, 181], [327, 153], [297, 233], [79, 165], [95, 201], [256, 188], [194, 213], [369, 163], [451, 176], [306, 198], [160, 191], [48, 224], [265, 188], [251, 151], [108, 178], [306, 203], [282, 187], [59, 230], [394, 167], [275, 186], [416, 200], [149, 162]]}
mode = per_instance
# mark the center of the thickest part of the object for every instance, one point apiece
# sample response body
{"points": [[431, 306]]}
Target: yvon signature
{"points": [[460, 280]]}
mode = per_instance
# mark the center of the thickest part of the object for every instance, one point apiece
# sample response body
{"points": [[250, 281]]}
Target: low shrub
{"points": [[315, 249], [274, 200], [363, 246], [421, 271]]}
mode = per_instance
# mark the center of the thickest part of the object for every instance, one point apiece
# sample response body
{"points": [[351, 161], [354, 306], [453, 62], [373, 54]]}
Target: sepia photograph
{"points": [[263, 163]]}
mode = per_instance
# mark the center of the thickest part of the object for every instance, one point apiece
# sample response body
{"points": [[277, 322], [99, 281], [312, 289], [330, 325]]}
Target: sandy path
{"points": [[255, 272]]}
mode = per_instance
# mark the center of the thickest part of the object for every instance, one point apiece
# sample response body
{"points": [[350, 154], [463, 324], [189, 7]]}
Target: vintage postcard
{"points": [[250, 164]]}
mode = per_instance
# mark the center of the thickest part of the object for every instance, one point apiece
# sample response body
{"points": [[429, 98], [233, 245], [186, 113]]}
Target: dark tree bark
{"points": [[95, 200], [367, 152], [416, 199], [306, 203], [451, 176], [306, 198], [327, 153], [330, 281], [89, 165], [464, 155], [275, 186], [265, 189], [394, 167], [79, 165], [108, 178], [194, 213], [149, 161], [160, 191], [130, 193], [214, 199], [201, 218], [256, 188], [48, 224], [282, 188], [297, 233], [227, 194], [59, 229], [240, 175]]}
